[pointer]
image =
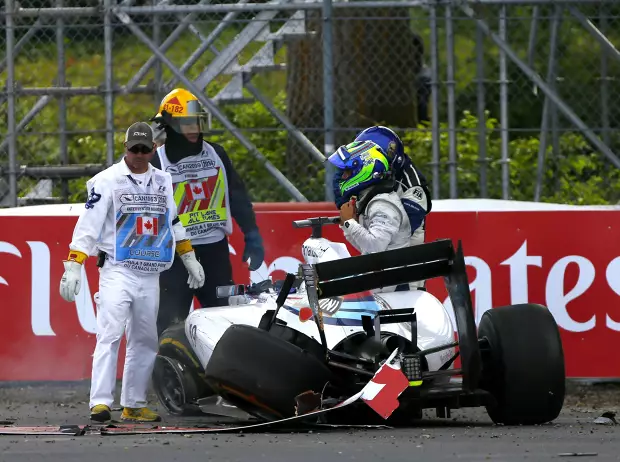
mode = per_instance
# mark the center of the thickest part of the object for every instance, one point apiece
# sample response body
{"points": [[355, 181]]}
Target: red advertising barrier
{"points": [[566, 260]]}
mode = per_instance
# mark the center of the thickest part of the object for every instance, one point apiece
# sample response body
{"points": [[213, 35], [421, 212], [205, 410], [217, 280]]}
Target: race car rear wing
{"points": [[400, 266]]}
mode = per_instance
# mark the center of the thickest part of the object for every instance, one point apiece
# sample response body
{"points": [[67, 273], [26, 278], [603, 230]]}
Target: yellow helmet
{"points": [[181, 108]]}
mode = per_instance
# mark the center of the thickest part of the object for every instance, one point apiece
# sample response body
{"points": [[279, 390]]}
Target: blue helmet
{"points": [[388, 141], [358, 165]]}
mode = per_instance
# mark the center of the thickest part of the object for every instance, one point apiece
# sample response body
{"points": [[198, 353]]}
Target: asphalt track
{"points": [[468, 435]]}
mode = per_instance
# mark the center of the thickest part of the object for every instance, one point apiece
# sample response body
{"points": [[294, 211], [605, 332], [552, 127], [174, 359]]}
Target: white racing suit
{"points": [[415, 197], [386, 224], [129, 217]]}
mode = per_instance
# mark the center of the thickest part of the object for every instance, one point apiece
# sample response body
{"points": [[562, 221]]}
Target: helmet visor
{"points": [[190, 124], [340, 158], [191, 119]]}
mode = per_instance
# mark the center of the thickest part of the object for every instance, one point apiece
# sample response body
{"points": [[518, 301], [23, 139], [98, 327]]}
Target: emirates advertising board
{"points": [[566, 258]]}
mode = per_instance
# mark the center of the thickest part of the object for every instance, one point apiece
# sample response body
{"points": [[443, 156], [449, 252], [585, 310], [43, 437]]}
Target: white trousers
{"points": [[127, 302]]}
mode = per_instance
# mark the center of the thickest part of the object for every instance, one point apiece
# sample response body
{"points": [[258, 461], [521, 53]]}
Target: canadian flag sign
{"points": [[146, 226], [196, 190], [383, 390]]}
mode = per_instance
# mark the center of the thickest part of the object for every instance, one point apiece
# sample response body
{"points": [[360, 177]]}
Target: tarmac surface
{"points": [[468, 435]]}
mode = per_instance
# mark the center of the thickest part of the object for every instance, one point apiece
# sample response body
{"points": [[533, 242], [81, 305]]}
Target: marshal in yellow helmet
{"points": [[181, 111]]}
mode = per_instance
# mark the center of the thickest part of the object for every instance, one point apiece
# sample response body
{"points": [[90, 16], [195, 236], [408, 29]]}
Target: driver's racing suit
{"points": [[412, 187], [384, 224]]}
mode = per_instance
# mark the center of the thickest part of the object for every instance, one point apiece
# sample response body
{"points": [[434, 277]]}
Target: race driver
{"points": [[372, 215], [130, 219], [208, 193], [409, 182]]}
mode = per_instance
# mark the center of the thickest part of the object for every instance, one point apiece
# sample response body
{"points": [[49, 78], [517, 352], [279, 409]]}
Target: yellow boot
{"points": [[100, 413], [142, 414]]}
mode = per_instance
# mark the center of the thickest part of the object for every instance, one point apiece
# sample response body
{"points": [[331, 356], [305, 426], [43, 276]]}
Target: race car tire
{"points": [[261, 373], [174, 345], [175, 386], [523, 366]]}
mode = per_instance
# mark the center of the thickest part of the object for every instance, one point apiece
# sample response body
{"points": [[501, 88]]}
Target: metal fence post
{"points": [[482, 122], [553, 109], [62, 99], [503, 79], [531, 45], [544, 129], [435, 123], [452, 154], [158, 71], [328, 96], [109, 81], [604, 79], [10, 88]]}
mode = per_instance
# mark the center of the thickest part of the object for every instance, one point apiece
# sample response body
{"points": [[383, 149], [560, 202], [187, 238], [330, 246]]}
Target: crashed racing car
{"points": [[326, 331]]}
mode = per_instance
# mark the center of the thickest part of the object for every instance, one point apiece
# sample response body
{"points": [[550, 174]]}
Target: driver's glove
{"points": [[254, 249], [72, 278]]}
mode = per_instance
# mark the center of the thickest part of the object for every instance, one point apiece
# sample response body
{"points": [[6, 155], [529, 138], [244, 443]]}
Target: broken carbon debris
{"points": [[306, 402]]}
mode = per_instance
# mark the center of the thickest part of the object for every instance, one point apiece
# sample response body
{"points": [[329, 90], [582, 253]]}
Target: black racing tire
{"points": [[523, 367], [175, 387], [261, 373], [173, 344]]}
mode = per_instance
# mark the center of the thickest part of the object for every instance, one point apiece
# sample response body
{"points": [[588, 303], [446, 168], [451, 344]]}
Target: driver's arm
{"points": [[384, 221]]}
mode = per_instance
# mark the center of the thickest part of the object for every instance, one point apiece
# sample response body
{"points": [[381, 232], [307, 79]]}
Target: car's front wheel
{"points": [[177, 375]]}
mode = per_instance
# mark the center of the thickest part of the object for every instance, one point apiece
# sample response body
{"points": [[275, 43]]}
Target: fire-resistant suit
{"points": [[383, 225], [128, 223], [383, 219], [208, 194]]}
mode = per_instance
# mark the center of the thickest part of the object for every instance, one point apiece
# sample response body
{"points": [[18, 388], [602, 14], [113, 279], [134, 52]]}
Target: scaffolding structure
{"points": [[444, 19]]}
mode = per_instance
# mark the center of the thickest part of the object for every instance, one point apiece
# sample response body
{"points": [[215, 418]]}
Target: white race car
{"points": [[329, 329]]}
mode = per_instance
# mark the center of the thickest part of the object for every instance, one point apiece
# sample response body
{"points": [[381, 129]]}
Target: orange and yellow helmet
{"points": [[181, 110]]}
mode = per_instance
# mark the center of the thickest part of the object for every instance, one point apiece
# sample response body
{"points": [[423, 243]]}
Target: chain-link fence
{"points": [[498, 100]]}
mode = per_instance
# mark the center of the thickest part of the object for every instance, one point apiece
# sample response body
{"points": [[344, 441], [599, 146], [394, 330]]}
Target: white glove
{"points": [[196, 273], [71, 280]]}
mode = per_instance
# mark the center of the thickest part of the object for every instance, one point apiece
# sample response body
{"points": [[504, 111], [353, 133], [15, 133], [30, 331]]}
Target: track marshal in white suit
{"points": [[130, 223]]}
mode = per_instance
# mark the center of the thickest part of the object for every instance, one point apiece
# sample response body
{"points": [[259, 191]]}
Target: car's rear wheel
{"points": [[261, 373], [523, 364]]}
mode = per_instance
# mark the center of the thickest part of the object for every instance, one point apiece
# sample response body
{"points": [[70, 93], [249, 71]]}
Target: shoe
{"points": [[142, 414], [100, 413]]}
